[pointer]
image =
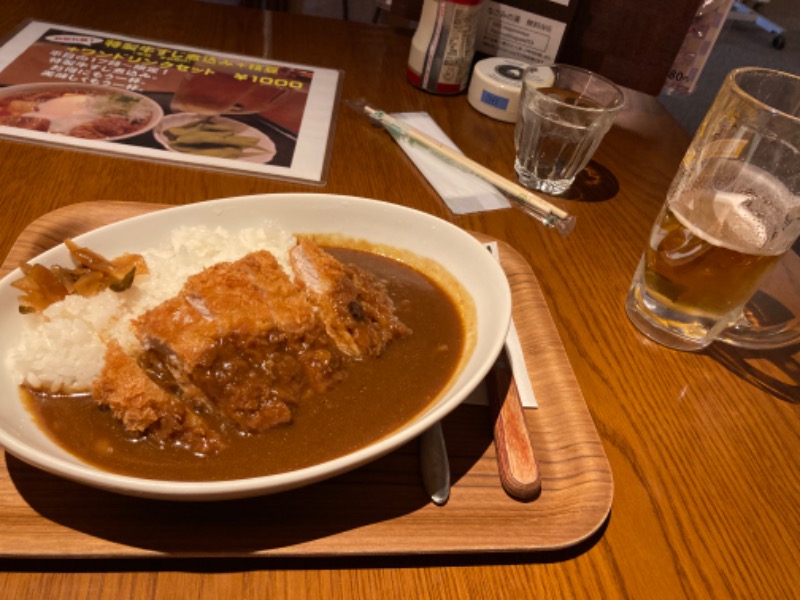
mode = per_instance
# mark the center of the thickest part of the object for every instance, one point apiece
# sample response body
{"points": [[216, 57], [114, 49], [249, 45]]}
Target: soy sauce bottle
{"points": [[443, 46]]}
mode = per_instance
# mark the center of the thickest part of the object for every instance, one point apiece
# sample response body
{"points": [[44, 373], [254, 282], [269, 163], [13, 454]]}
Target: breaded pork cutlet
{"points": [[354, 306], [144, 407], [243, 343], [246, 336], [246, 298]]}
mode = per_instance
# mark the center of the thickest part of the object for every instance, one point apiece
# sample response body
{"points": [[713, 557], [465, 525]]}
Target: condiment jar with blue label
{"points": [[496, 87]]}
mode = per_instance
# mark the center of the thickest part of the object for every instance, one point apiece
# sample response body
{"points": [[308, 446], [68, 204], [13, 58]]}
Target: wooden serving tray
{"points": [[379, 509]]}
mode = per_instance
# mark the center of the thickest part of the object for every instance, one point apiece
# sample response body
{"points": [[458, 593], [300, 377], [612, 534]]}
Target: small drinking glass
{"points": [[731, 213], [564, 113]]}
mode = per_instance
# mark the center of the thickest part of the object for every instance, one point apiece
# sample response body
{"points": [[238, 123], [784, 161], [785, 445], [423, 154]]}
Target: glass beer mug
{"points": [[731, 216]]}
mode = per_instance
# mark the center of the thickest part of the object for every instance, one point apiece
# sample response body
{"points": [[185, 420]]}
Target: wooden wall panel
{"points": [[631, 42]]}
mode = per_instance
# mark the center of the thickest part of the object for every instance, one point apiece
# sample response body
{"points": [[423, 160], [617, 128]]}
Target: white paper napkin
{"points": [[462, 192]]}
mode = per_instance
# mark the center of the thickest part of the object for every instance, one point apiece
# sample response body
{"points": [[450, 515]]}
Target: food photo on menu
{"points": [[85, 89]]}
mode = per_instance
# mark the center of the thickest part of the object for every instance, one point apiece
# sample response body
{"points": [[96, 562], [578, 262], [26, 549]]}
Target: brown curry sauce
{"points": [[376, 397]]}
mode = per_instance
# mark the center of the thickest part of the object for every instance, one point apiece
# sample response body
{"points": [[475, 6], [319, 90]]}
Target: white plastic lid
{"points": [[496, 87]]}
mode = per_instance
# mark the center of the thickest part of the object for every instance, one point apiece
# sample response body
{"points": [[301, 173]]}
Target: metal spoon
{"points": [[434, 465]]}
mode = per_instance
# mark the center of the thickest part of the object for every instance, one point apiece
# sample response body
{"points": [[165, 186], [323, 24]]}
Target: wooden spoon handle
{"points": [[516, 460]]}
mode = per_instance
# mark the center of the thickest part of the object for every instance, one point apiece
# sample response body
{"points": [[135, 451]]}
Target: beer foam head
{"points": [[737, 205], [723, 218], [746, 229]]}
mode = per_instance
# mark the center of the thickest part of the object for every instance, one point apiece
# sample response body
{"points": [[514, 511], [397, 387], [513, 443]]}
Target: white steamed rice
{"points": [[62, 348]]}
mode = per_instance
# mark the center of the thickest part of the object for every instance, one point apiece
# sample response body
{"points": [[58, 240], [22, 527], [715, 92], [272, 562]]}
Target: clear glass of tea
{"points": [[731, 213], [564, 113]]}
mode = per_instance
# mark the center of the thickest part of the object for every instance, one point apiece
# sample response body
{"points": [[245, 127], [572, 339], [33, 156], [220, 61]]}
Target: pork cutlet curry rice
{"points": [[231, 355]]}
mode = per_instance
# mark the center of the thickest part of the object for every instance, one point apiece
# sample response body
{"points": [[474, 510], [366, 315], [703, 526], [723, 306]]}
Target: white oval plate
{"points": [[264, 155], [383, 223], [155, 109]]}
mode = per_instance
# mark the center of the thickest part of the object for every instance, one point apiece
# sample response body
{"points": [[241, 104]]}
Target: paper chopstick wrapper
{"points": [[515, 356], [462, 192]]}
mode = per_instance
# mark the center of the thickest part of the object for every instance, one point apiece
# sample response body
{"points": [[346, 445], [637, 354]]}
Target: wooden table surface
{"points": [[703, 447]]}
